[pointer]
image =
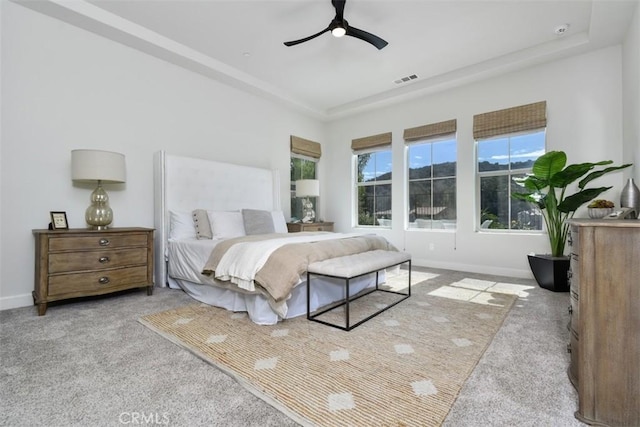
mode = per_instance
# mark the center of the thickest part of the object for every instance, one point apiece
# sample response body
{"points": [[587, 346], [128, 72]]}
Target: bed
{"points": [[199, 208]]}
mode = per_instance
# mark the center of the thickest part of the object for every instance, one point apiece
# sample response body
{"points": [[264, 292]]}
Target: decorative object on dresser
{"points": [[295, 227], [545, 188], [600, 208], [630, 198], [306, 188], [58, 221], [79, 263], [101, 167], [605, 325]]}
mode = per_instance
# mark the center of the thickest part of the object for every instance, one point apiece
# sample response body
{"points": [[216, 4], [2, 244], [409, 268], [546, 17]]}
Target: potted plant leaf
{"points": [[546, 187]]}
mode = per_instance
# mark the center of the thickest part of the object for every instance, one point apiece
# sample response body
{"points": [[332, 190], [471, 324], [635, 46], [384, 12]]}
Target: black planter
{"points": [[550, 272]]}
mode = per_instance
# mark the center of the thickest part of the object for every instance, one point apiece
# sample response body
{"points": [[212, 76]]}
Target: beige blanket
{"points": [[286, 264]]}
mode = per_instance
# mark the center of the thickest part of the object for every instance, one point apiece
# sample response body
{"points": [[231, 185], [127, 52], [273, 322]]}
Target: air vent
{"points": [[405, 79]]}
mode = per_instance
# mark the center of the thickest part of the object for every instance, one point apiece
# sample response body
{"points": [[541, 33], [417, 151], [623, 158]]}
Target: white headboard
{"points": [[185, 184]]}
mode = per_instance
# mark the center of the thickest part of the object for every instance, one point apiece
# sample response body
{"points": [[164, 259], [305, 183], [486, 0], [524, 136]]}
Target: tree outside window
{"points": [[499, 160]]}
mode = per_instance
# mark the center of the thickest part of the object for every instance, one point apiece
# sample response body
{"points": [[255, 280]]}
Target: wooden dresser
{"points": [[605, 320], [295, 227], [81, 262]]}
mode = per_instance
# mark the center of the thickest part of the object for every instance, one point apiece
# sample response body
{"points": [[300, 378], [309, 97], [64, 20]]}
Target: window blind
{"points": [[305, 147], [374, 141], [431, 130], [510, 120]]}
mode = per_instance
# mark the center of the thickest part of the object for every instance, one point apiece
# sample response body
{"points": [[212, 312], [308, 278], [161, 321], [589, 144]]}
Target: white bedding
{"points": [[242, 261], [188, 256]]}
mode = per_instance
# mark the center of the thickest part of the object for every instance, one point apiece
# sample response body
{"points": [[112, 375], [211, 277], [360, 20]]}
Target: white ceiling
{"points": [[445, 43]]}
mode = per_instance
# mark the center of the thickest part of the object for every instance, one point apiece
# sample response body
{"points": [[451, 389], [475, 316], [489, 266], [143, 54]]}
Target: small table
{"points": [[81, 262]]}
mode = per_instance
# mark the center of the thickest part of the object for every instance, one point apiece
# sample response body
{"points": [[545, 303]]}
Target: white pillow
{"points": [[279, 223], [181, 225], [226, 224]]}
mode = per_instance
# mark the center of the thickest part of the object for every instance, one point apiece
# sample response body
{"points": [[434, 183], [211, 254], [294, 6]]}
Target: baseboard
{"points": [[16, 301], [474, 268]]}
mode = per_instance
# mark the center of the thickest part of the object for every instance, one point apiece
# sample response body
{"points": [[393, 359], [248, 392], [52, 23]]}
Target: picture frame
{"points": [[59, 220]]}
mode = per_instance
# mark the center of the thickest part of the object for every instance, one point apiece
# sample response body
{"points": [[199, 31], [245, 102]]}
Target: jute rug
{"points": [[404, 367]]}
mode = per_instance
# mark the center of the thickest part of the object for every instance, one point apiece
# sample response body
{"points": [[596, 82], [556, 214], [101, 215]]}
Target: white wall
{"points": [[631, 95], [584, 109], [65, 88]]}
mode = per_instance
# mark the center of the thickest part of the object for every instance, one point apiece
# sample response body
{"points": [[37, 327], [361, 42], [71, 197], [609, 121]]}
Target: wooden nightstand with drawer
{"points": [[295, 227], [82, 262]]}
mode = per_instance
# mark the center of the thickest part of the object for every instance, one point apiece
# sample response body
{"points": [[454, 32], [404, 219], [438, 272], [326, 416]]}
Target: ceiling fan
{"points": [[339, 27]]}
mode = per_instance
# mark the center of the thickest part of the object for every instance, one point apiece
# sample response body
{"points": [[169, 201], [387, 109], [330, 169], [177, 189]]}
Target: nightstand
{"points": [[81, 262], [295, 227]]}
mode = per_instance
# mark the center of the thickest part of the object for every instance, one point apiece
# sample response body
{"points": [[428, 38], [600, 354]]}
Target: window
{"points": [[501, 159], [374, 188], [431, 160], [305, 155], [372, 157], [432, 183], [507, 144], [301, 168]]}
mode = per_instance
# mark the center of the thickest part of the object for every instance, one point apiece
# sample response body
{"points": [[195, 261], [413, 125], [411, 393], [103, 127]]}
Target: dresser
{"points": [[80, 262], [605, 320], [295, 227]]}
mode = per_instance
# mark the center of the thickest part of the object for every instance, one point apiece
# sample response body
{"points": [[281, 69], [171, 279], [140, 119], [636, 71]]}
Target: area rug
{"points": [[404, 367]]}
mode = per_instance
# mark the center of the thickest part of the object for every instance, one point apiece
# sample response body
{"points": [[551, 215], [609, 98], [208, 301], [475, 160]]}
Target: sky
{"points": [[518, 148]]}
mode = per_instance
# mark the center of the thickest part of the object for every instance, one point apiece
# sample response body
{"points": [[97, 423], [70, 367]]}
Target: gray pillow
{"points": [[257, 222], [202, 225]]}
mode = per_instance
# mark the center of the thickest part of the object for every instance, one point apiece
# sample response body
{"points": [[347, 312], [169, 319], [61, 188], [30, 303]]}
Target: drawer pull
{"points": [[104, 259], [570, 309], [104, 242], [103, 280]]}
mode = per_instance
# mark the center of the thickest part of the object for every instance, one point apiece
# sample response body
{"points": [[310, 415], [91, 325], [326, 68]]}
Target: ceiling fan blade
{"points": [[339, 6], [306, 39], [368, 37]]}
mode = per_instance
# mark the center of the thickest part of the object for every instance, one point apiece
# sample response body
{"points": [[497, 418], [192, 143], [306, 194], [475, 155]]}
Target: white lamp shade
{"points": [[97, 165], [307, 188]]}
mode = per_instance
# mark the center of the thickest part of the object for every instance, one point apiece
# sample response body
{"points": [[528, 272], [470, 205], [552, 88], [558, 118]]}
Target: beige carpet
{"points": [[404, 367]]}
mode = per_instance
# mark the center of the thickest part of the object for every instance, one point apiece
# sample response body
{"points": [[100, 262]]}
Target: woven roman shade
{"points": [[510, 120], [305, 147], [374, 141], [431, 130]]}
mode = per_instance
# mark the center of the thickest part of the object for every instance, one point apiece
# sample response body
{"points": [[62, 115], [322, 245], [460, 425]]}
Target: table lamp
{"points": [[101, 167], [307, 188]]}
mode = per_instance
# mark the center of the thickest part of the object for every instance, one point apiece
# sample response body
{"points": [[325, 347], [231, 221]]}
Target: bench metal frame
{"points": [[349, 298]]}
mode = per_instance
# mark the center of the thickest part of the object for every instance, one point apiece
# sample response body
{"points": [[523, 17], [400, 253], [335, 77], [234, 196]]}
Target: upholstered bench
{"points": [[352, 266]]}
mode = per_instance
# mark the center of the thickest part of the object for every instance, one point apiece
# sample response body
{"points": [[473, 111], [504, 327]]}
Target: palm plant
{"points": [[547, 187]]}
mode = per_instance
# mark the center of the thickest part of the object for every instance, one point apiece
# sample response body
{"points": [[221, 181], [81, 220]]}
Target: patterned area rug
{"points": [[404, 367]]}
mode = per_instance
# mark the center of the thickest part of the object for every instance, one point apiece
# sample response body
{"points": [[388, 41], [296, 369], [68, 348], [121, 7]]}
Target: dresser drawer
{"points": [[61, 262], [318, 228], [94, 283], [93, 242]]}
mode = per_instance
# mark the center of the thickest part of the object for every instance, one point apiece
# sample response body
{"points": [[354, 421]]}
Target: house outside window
{"points": [[432, 183], [373, 188], [301, 168]]}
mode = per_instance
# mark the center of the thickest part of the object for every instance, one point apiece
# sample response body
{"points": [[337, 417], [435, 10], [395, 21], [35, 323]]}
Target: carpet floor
{"points": [[89, 362], [404, 367]]}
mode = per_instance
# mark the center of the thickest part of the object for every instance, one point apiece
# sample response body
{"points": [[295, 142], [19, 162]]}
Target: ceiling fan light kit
{"points": [[339, 27]]}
